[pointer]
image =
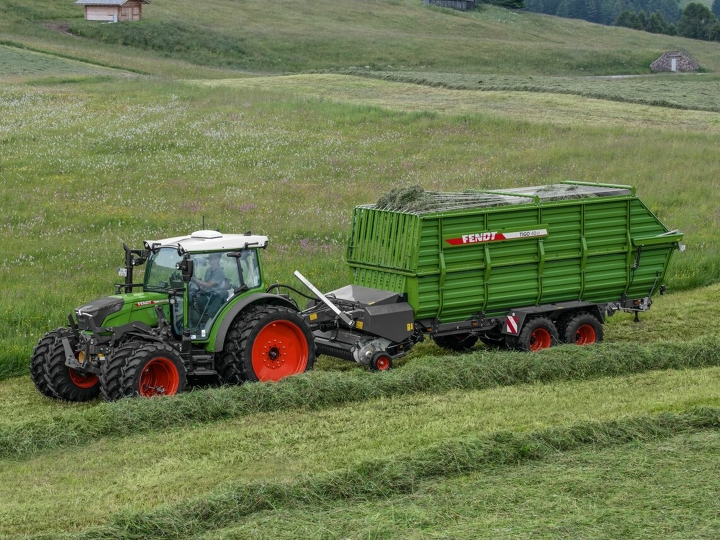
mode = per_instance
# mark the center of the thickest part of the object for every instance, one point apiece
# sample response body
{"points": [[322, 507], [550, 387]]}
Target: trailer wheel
{"points": [[582, 329], [53, 378], [537, 334], [456, 342], [268, 343], [152, 369], [381, 361]]}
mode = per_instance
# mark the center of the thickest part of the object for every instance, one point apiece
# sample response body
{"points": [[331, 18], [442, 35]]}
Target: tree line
{"points": [[696, 21]]}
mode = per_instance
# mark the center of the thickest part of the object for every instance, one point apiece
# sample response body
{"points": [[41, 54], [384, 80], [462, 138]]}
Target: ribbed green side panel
{"points": [[583, 249]]}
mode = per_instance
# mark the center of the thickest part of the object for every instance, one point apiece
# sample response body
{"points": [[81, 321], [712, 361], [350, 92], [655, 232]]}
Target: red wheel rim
{"points": [[382, 363], [159, 377], [585, 335], [82, 380], [280, 349], [540, 339]]}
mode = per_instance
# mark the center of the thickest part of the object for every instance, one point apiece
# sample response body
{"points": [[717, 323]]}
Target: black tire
{"points": [[152, 369], [111, 370], [581, 329], [536, 334], [53, 378], [456, 342], [276, 338], [381, 361], [42, 350]]}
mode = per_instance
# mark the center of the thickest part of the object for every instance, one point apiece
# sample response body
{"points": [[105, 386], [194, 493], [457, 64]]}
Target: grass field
{"points": [[280, 118]]}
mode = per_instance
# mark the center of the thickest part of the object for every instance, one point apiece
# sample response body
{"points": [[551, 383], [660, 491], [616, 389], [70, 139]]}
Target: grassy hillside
{"points": [[292, 35], [500, 444]]}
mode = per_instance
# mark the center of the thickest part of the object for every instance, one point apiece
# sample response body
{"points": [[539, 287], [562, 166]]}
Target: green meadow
{"points": [[279, 118]]}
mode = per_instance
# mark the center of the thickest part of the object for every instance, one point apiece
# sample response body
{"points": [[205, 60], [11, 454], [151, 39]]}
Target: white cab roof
{"points": [[203, 241]]}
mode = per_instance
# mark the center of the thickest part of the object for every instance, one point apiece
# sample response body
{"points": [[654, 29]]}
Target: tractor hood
{"points": [[121, 309], [97, 311]]}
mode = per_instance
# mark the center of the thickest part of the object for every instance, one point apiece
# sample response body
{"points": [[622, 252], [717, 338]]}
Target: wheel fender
{"points": [[263, 299]]}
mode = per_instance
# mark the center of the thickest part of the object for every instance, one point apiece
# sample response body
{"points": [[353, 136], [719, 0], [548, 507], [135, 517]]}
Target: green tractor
{"points": [[201, 310]]}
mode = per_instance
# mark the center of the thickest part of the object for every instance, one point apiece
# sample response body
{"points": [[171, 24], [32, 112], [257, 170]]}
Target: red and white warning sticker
{"points": [[482, 238], [511, 321]]}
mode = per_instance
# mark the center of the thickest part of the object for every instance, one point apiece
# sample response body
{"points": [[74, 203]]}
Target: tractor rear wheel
{"points": [[537, 334], [456, 342], [151, 369], [582, 329], [267, 343], [53, 378]]}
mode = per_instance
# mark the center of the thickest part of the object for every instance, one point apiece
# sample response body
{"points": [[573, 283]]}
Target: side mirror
{"points": [[186, 266]]}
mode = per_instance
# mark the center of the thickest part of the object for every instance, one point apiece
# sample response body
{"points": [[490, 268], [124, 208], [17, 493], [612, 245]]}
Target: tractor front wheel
{"points": [[53, 378], [151, 369], [111, 370], [266, 343]]}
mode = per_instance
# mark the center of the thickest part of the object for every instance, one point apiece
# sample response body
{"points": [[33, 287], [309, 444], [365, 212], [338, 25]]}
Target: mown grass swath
{"points": [[320, 390], [381, 478]]}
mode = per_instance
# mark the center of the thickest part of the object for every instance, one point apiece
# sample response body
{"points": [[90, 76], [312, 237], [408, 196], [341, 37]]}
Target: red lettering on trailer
{"points": [[482, 238]]}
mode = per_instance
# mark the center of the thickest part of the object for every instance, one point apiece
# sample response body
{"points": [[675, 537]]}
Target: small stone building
{"points": [[112, 10], [462, 5], [675, 61]]}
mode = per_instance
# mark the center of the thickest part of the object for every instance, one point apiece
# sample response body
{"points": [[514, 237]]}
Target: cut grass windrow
{"points": [[320, 390], [380, 478]]}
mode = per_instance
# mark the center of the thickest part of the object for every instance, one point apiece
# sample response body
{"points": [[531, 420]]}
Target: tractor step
{"points": [[203, 372]]}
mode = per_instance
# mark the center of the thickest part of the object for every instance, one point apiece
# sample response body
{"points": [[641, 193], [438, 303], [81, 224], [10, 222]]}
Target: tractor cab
{"points": [[199, 278]]}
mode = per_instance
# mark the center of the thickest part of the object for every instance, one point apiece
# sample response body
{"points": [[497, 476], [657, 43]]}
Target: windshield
{"points": [[160, 268]]}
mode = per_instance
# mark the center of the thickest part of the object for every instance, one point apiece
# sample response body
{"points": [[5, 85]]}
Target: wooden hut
{"points": [[112, 10]]}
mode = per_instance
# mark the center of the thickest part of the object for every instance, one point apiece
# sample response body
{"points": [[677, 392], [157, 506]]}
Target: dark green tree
{"points": [[696, 22], [716, 8], [628, 19], [670, 11], [656, 24], [609, 11], [509, 4], [714, 32], [563, 9], [536, 6]]}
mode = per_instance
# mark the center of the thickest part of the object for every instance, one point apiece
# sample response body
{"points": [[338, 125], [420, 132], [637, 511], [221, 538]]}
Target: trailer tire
{"points": [[267, 343], [536, 334], [582, 329], [53, 378], [456, 342], [152, 369]]}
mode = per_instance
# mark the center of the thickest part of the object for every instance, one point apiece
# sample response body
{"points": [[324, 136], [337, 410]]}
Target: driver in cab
{"points": [[214, 275]]}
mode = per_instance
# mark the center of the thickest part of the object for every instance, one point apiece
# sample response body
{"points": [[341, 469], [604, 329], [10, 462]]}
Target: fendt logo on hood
{"points": [[482, 238]]}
